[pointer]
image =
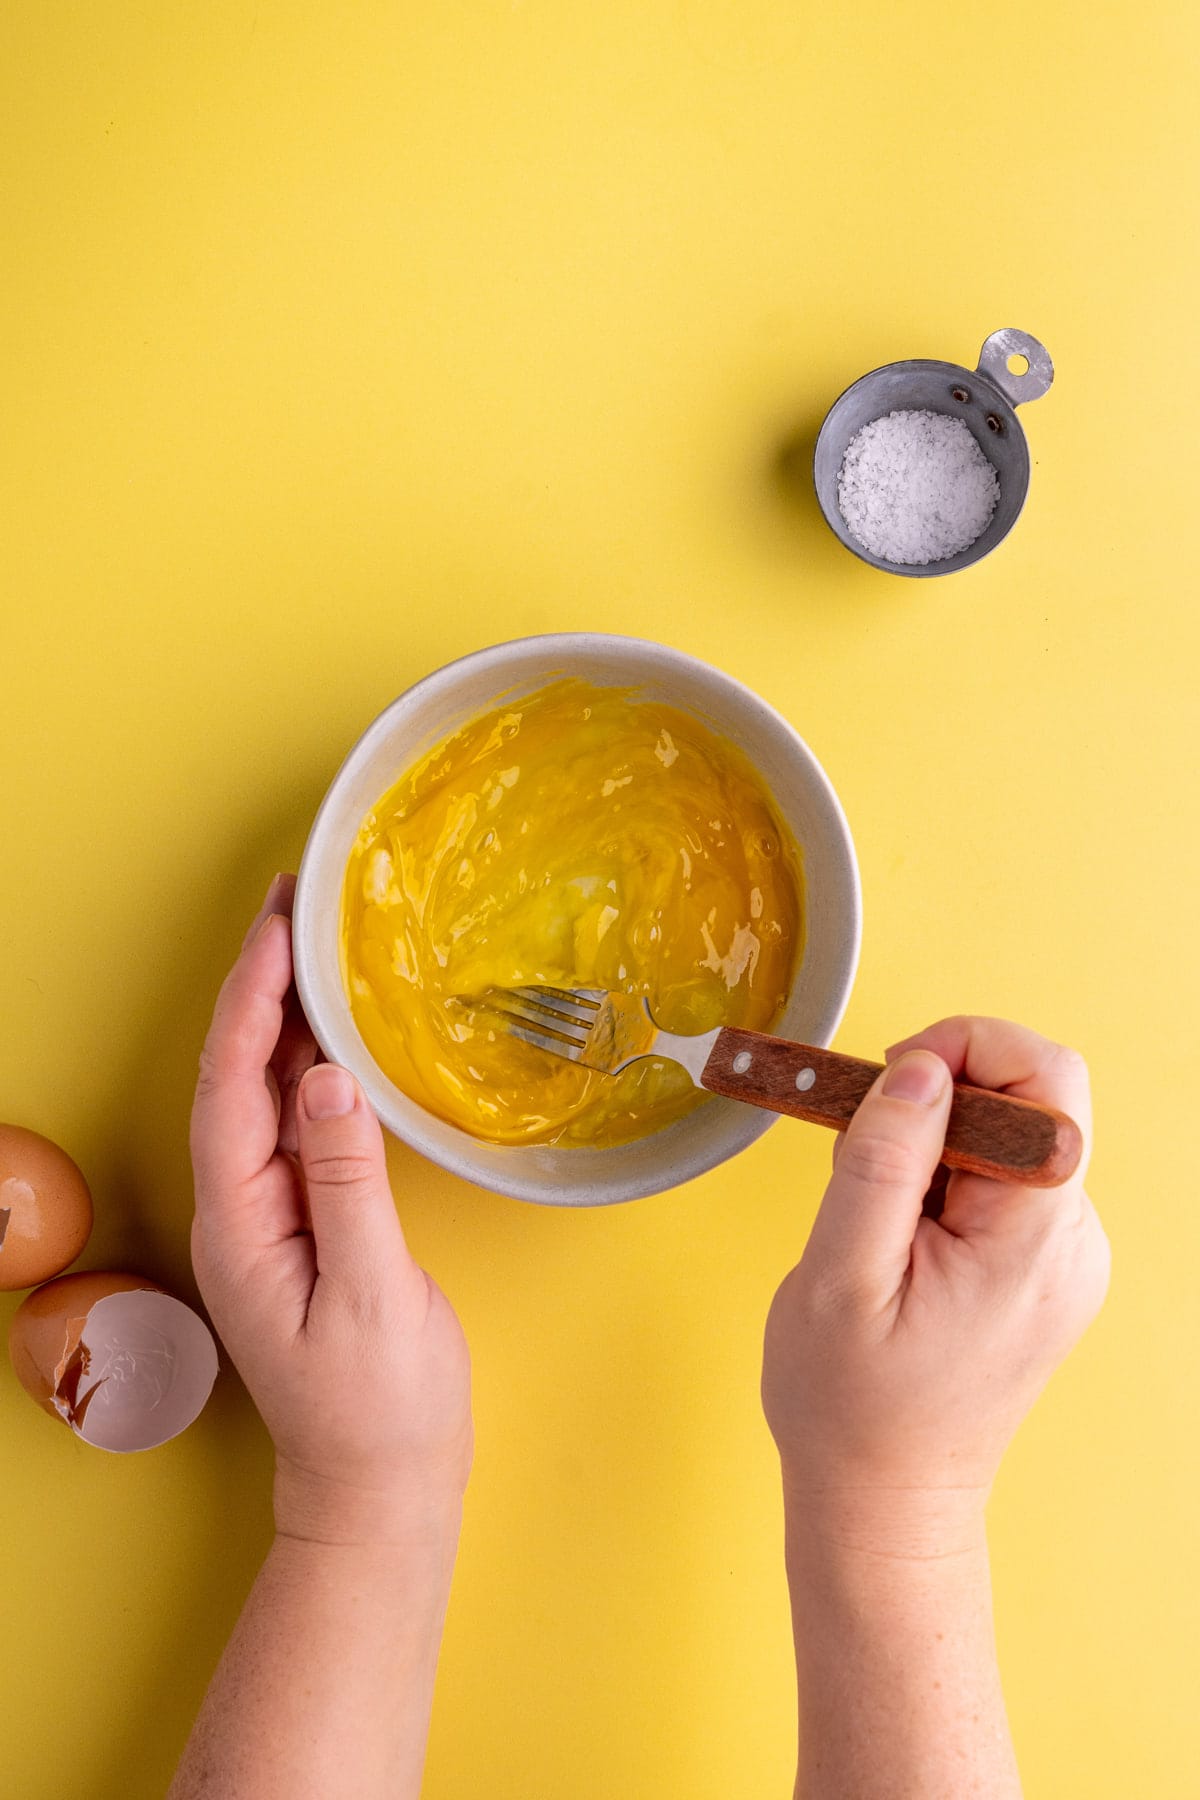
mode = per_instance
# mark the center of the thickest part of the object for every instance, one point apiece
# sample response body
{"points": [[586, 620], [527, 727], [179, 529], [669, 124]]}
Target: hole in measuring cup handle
{"points": [[1018, 388]]}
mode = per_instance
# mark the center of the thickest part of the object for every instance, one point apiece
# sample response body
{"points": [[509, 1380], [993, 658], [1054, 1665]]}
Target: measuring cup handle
{"points": [[993, 362]]}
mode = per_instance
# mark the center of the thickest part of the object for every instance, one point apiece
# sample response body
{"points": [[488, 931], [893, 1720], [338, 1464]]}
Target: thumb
{"points": [[355, 1229], [884, 1166]]}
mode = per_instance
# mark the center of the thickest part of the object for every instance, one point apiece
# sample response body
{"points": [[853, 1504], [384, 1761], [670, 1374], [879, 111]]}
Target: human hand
{"points": [[903, 1350], [352, 1354]]}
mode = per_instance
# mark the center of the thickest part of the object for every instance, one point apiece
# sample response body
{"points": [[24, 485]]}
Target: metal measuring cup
{"points": [[984, 399]]}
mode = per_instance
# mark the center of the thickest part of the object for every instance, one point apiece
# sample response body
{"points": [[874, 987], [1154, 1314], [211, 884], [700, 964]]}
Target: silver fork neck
{"points": [[692, 1052]]}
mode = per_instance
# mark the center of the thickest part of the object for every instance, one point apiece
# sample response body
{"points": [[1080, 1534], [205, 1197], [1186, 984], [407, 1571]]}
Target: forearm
{"points": [[898, 1685], [326, 1685]]}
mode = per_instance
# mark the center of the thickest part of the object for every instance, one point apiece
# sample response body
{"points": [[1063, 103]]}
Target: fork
{"points": [[987, 1134]]}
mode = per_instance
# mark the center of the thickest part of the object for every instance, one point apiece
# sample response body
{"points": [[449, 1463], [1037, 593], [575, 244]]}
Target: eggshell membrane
{"points": [[123, 1364], [45, 1208]]}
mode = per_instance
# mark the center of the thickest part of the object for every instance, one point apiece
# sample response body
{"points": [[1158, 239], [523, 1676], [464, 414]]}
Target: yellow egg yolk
{"points": [[580, 837]]}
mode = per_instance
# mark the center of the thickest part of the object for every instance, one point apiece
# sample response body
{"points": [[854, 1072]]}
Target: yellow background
{"points": [[339, 340]]}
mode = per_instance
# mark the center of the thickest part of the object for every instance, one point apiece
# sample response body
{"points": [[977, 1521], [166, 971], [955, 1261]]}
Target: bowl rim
{"points": [[405, 1118]]}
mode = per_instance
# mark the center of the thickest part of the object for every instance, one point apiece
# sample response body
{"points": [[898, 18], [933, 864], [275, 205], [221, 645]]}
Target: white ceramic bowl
{"points": [[448, 699]]}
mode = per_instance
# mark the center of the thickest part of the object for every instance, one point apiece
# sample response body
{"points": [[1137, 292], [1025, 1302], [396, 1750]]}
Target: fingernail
{"points": [[919, 1076], [273, 891], [327, 1092], [265, 926]]}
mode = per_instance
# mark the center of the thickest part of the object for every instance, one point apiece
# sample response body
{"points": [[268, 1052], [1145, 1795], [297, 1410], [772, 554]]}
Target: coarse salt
{"points": [[915, 487]]}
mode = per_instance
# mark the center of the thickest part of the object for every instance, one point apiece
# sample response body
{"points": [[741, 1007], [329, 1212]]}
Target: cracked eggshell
{"points": [[123, 1364], [45, 1209]]}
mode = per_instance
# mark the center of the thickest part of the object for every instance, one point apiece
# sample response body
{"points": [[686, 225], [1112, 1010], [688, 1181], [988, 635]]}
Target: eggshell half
{"points": [[122, 1363], [45, 1209]]}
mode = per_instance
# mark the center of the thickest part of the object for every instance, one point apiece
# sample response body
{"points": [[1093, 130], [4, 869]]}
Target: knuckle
{"points": [[241, 1037], [208, 1077], [833, 1290], [1068, 1271], [1071, 1063], [1099, 1260], [340, 1168], [874, 1159]]}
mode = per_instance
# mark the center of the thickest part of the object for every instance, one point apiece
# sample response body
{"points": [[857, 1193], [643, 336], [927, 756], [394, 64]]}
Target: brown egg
{"points": [[45, 1209], [122, 1363]]}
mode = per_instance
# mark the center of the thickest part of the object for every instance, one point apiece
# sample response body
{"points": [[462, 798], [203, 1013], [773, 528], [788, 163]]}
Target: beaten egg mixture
{"points": [[581, 837]]}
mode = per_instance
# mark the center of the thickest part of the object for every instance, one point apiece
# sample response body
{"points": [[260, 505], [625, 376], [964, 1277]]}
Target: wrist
{"points": [[897, 1685], [879, 1571], [847, 1521], [316, 1508]]}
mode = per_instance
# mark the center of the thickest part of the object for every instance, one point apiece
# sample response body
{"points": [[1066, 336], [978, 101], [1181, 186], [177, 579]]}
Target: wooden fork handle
{"points": [[988, 1134]]}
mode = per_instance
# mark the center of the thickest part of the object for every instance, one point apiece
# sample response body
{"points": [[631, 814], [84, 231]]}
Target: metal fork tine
{"points": [[568, 1049], [555, 1026], [573, 1001], [564, 1022], [588, 1026], [556, 1004]]}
